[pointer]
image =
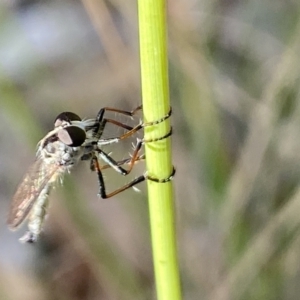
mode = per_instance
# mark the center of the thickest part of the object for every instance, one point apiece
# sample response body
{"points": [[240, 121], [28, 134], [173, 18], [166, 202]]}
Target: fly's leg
{"points": [[138, 147], [136, 152], [102, 189], [100, 122], [134, 157], [135, 129], [125, 161], [116, 165], [164, 180], [102, 111]]}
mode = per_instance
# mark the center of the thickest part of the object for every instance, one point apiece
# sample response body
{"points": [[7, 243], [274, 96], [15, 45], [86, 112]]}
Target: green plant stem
{"points": [[155, 92]]}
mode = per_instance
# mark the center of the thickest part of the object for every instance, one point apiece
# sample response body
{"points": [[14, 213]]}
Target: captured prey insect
{"points": [[71, 141]]}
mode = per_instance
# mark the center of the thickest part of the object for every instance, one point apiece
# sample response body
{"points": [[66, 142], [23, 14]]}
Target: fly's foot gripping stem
{"points": [[164, 118], [144, 141], [163, 180]]}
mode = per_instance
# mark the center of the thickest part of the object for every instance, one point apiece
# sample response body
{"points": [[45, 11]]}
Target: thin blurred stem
{"points": [[259, 251], [155, 91], [263, 121], [117, 52]]}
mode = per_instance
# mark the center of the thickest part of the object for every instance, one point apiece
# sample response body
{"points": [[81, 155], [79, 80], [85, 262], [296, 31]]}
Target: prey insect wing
{"points": [[37, 178]]}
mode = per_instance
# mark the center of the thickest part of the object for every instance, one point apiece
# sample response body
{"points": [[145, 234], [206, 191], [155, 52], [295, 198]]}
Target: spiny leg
{"points": [[102, 189], [100, 117], [140, 158], [108, 159], [116, 165], [131, 113], [134, 130], [135, 157], [125, 161], [101, 121], [145, 124]]}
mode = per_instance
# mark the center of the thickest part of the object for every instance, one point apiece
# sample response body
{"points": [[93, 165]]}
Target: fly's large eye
{"points": [[72, 136], [66, 118]]}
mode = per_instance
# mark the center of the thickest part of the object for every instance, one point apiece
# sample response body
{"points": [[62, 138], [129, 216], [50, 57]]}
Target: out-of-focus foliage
{"points": [[234, 81]]}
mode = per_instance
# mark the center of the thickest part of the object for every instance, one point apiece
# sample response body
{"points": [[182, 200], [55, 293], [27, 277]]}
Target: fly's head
{"points": [[91, 127], [63, 145]]}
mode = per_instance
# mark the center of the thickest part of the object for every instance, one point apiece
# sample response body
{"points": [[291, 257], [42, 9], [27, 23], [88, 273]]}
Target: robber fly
{"points": [[71, 141]]}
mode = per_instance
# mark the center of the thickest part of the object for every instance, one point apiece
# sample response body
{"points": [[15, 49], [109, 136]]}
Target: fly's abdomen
{"points": [[36, 217]]}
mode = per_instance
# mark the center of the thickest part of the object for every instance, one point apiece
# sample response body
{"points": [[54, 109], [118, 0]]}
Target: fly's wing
{"points": [[37, 177]]}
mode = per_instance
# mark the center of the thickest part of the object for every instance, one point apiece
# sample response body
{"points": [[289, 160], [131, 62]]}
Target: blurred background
{"points": [[234, 83]]}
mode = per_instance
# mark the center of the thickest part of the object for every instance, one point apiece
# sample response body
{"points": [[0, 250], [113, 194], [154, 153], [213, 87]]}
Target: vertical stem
{"points": [[155, 92]]}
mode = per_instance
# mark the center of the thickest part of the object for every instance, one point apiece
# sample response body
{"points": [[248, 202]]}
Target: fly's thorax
{"points": [[92, 130], [86, 125], [60, 154]]}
